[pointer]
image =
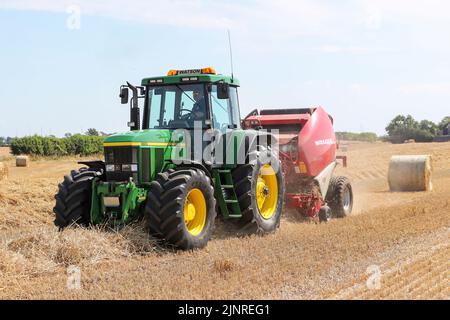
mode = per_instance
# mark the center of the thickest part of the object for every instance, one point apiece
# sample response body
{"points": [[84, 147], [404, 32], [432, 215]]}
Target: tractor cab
{"points": [[185, 99]]}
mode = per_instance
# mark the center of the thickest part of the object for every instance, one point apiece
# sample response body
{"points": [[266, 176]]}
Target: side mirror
{"points": [[223, 90], [124, 95]]}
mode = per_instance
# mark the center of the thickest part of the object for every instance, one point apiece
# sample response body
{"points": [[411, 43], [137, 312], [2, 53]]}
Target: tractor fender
{"points": [[96, 164], [255, 138], [197, 165]]}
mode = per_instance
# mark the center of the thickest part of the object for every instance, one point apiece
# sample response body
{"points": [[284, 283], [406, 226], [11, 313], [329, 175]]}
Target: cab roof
{"points": [[190, 76]]}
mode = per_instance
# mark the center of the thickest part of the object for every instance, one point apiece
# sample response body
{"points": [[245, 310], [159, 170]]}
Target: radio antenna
{"points": [[231, 54]]}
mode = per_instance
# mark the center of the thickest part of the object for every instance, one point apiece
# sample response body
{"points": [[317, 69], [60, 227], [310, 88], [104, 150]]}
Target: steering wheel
{"points": [[185, 116]]}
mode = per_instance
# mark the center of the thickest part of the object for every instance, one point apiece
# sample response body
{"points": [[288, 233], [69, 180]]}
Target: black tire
{"points": [[340, 197], [245, 179], [153, 205], [165, 208], [325, 214], [73, 200]]}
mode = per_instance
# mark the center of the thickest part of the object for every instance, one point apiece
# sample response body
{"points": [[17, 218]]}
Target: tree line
{"points": [[403, 128], [91, 142], [6, 141], [400, 129]]}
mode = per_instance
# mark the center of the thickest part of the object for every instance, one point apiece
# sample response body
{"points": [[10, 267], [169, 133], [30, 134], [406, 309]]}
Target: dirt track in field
{"points": [[396, 242]]}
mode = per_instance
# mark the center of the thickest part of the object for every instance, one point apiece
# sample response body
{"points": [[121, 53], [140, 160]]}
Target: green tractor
{"points": [[187, 160]]}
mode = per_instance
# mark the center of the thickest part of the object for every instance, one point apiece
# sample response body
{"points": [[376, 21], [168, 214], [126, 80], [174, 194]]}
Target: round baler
{"points": [[307, 148]]}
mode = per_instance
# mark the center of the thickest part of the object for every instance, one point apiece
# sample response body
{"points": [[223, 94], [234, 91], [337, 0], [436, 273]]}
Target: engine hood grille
{"points": [[115, 158]]}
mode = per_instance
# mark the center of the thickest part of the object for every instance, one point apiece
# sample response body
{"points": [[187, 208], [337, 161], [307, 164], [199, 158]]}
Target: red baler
{"points": [[307, 149]]}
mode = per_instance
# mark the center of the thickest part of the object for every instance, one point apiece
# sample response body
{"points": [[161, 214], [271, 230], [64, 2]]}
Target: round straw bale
{"points": [[410, 173], [22, 161]]}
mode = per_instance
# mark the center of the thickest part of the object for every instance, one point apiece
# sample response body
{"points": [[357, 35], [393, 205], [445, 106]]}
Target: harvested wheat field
{"points": [[400, 238], [4, 151]]}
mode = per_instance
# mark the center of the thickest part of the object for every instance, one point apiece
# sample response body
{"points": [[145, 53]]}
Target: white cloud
{"points": [[356, 87], [265, 18], [426, 88], [374, 19], [352, 49], [264, 24], [296, 16], [178, 13], [412, 9]]}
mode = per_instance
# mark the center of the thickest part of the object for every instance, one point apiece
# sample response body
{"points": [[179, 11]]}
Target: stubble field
{"points": [[395, 245]]}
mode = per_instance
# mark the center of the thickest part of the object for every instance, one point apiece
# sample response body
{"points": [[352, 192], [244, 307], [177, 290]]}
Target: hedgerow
{"points": [[352, 136], [51, 146]]}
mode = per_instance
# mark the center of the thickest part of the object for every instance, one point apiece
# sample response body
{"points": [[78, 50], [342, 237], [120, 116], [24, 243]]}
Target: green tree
{"points": [[92, 132], [403, 128], [2, 141], [429, 126], [400, 123], [443, 124]]}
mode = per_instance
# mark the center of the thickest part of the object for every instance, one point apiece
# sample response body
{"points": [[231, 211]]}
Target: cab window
{"points": [[236, 116], [221, 111], [176, 106]]}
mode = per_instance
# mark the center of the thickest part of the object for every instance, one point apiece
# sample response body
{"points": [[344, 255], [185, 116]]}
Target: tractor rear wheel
{"points": [[181, 208], [260, 192], [73, 200], [340, 197]]}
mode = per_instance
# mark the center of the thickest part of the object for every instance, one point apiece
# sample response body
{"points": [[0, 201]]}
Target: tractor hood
{"points": [[151, 137]]}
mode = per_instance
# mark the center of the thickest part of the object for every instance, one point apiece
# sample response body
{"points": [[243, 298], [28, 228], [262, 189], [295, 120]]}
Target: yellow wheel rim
{"points": [[195, 212], [267, 192]]}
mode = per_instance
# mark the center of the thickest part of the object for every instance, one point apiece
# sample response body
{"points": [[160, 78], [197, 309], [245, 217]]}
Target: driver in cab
{"points": [[198, 111], [199, 108]]}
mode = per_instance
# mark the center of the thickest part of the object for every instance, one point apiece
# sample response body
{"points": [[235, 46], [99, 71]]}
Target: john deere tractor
{"points": [[187, 161]]}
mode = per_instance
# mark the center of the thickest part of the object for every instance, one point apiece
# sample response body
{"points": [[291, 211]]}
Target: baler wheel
{"points": [[260, 191], [73, 200], [181, 208], [340, 196]]}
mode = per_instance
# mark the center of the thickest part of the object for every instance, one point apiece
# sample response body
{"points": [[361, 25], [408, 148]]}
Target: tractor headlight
{"points": [[110, 168]]}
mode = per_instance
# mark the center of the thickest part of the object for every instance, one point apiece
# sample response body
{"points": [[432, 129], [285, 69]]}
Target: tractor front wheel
{"points": [[73, 200], [181, 208]]}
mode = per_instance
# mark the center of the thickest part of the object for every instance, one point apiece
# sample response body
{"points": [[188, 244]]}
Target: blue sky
{"points": [[364, 61]]}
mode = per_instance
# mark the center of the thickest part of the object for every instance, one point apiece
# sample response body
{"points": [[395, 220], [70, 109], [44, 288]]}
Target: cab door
{"points": [[225, 119]]}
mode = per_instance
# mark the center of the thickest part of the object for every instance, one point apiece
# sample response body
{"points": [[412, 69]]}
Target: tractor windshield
{"points": [[176, 106]]}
